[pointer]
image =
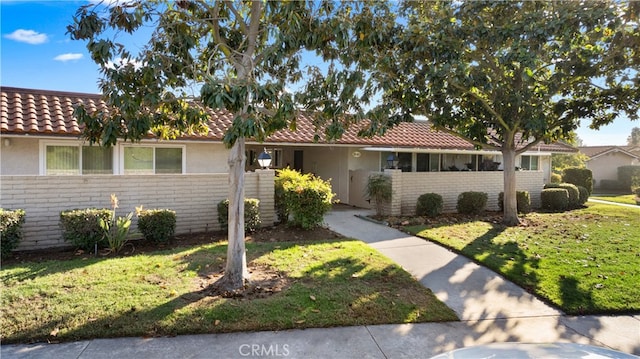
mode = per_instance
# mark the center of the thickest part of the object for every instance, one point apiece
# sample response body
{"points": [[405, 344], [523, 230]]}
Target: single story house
{"points": [[46, 167], [603, 161]]}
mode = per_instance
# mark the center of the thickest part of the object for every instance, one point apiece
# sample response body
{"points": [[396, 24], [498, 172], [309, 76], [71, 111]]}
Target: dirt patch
{"points": [[263, 282]]}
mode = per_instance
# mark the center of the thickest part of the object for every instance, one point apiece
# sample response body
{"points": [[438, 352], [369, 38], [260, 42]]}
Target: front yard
{"points": [[584, 261], [297, 284], [617, 198]]}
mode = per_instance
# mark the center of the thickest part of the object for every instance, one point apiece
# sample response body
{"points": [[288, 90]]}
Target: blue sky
{"points": [[36, 53]]}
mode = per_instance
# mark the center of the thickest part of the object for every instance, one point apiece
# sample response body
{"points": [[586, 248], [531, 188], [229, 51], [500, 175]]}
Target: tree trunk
{"points": [[510, 217], [236, 270]]}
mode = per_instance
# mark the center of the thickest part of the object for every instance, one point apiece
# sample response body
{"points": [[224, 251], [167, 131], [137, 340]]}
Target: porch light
{"points": [[264, 159], [392, 161]]}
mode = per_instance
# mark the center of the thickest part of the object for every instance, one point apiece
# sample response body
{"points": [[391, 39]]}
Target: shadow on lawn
{"points": [[290, 308]]}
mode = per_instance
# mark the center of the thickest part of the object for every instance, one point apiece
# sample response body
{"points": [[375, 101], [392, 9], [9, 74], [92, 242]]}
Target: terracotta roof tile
{"points": [[27, 111]]}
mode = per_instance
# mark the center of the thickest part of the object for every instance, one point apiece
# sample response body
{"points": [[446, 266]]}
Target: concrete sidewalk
{"points": [[491, 309]]}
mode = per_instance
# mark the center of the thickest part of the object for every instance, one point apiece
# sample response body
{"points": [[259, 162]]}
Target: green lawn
{"points": [[583, 261], [618, 198], [328, 283]]}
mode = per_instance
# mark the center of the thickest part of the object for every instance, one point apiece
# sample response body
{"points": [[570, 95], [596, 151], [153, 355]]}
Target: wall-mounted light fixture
{"points": [[6, 142], [264, 159]]}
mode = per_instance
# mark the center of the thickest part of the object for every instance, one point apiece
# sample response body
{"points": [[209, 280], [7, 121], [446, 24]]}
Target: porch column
{"points": [[395, 207], [265, 193]]}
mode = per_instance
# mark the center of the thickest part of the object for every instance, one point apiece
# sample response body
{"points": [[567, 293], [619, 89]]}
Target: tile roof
{"points": [[595, 151], [42, 112]]}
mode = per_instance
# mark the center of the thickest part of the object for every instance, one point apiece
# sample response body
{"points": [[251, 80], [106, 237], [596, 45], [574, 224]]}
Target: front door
{"points": [[297, 160]]}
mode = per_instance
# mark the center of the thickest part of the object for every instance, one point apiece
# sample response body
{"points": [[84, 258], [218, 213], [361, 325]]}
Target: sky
{"points": [[36, 53]]}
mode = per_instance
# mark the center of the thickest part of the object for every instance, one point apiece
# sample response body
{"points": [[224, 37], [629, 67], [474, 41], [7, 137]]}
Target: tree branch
{"points": [[484, 102], [238, 17]]}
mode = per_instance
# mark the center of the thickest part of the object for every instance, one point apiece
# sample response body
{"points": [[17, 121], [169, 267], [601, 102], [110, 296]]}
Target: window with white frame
{"points": [[153, 160], [530, 163], [64, 159]]}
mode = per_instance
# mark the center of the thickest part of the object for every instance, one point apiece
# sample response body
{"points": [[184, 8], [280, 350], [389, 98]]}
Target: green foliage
{"points": [[116, 229], [556, 178], [613, 185], [574, 194], [306, 197], [626, 174], [523, 201], [429, 204], [634, 137], [156, 225], [379, 190], [584, 195], [10, 230], [562, 161], [472, 202], [82, 228], [579, 177], [251, 214], [555, 199]]}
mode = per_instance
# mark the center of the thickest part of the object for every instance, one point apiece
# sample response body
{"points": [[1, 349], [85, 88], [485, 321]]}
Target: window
{"points": [[77, 159], [422, 162], [153, 160], [404, 161], [529, 163]]}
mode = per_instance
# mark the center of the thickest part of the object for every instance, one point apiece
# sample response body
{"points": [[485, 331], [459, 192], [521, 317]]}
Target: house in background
{"points": [[604, 162], [46, 167]]}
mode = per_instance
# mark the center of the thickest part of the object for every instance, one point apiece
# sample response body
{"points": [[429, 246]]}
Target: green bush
{"points": [[556, 178], [579, 177], [523, 201], [10, 230], [251, 214], [626, 175], [472, 202], [584, 195], [429, 204], [379, 190], [574, 194], [81, 227], [554, 199], [283, 176], [157, 225], [306, 198]]}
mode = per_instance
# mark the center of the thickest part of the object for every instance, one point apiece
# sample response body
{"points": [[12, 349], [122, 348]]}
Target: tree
{"points": [[507, 75], [202, 57], [634, 137]]}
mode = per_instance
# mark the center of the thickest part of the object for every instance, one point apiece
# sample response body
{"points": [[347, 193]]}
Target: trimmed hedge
{"points": [[472, 202], [556, 178], [584, 195], [579, 177], [554, 199], [82, 228], [572, 191], [429, 204], [611, 185], [523, 199], [10, 230], [303, 197], [251, 214], [157, 225], [626, 175]]}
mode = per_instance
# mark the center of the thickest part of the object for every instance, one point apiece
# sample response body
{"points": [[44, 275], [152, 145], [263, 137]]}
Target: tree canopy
{"points": [[506, 75], [634, 137]]}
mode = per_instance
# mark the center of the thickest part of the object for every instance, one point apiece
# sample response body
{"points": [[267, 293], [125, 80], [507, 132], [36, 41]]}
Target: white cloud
{"points": [[111, 3], [120, 63], [68, 57], [28, 36]]}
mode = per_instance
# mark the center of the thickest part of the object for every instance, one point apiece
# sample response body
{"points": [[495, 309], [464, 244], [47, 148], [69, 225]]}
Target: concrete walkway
{"points": [[491, 309]]}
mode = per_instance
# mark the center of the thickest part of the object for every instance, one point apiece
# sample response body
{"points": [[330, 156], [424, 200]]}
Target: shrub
{"points": [[251, 214], [584, 195], [554, 199], [81, 227], [305, 197], [579, 177], [574, 194], [116, 229], [626, 175], [429, 204], [556, 178], [157, 225], [379, 190], [283, 176], [471, 202], [523, 201], [10, 230]]}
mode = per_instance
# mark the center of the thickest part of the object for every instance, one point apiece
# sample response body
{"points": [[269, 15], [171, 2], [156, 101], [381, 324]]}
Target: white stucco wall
{"points": [[605, 167], [20, 157]]}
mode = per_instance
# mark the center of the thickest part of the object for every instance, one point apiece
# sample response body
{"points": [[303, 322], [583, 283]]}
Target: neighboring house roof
{"points": [[42, 112], [594, 152]]}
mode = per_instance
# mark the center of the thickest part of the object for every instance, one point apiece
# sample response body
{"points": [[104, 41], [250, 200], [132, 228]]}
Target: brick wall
{"points": [[408, 186], [193, 197]]}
